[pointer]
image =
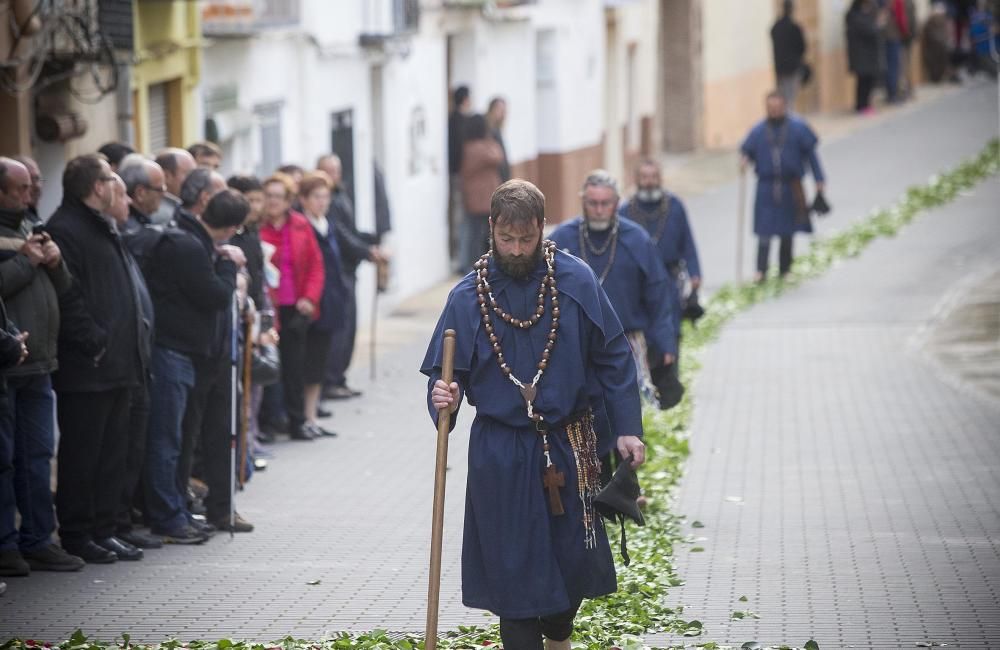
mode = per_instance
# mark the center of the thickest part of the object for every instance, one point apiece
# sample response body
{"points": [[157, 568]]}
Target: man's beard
{"points": [[649, 194], [600, 226], [519, 266]]}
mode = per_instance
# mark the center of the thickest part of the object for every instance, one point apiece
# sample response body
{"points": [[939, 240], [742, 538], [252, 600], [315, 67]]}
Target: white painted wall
{"points": [[736, 36]]}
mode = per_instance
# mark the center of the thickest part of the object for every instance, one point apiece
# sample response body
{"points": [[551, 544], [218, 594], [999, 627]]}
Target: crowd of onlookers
{"points": [[123, 316], [881, 34]]}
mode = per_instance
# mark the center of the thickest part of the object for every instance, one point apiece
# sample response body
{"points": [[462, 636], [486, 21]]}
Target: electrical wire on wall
{"points": [[68, 47]]}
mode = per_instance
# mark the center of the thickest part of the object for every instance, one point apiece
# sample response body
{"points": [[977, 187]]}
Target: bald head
{"points": [[15, 185], [176, 164], [330, 165]]}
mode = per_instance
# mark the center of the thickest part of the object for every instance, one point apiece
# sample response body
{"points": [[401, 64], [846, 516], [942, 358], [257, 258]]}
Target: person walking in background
{"points": [[779, 148], [314, 195], [298, 294], [789, 47], [482, 157], [904, 14], [865, 22], [496, 117]]}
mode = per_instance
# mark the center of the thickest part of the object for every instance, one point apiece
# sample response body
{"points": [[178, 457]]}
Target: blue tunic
{"points": [[667, 224], [637, 283], [518, 560], [792, 145]]}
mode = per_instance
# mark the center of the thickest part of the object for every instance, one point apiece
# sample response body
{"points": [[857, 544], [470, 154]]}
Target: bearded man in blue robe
{"points": [[538, 349], [629, 269], [779, 148]]}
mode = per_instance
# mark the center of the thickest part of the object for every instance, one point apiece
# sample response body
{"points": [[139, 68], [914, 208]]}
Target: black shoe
{"points": [[52, 558], [121, 548], [12, 564], [322, 412], [199, 523], [91, 553], [265, 437], [318, 431], [240, 524], [273, 426], [340, 392], [139, 539], [301, 433], [182, 535]]}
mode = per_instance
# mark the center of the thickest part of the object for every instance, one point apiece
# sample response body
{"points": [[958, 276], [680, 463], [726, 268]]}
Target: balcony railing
{"points": [[247, 17], [387, 19]]}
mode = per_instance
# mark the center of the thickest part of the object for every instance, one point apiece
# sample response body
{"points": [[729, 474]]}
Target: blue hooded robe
{"points": [[518, 560], [792, 144]]}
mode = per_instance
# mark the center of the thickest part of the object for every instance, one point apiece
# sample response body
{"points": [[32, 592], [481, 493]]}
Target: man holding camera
{"points": [[30, 283]]}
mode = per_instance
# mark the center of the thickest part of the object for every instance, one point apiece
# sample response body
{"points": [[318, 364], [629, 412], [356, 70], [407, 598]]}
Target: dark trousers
{"points": [[207, 422], [863, 98], [526, 633], [93, 446], [170, 388], [784, 254], [893, 54], [135, 457], [27, 444], [292, 347], [343, 337]]}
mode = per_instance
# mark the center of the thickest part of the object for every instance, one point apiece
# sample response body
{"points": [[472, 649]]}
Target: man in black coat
{"points": [[789, 48], [99, 363], [191, 278], [355, 247]]}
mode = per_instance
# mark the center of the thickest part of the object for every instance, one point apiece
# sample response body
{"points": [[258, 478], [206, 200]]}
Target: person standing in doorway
{"points": [[865, 22], [482, 158], [779, 148], [496, 117]]}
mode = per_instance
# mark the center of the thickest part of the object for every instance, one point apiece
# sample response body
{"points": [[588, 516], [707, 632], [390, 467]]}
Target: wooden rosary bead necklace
{"points": [[488, 303]]}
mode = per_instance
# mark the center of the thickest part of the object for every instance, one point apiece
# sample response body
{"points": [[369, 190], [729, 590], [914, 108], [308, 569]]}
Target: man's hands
{"points": [[23, 337], [632, 446], [668, 359], [444, 396], [305, 307], [233, 253], [695, 282], [33, 249]]}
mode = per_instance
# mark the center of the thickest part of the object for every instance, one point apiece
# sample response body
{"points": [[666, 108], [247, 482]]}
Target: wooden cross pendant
{"points": [[553, 480]]}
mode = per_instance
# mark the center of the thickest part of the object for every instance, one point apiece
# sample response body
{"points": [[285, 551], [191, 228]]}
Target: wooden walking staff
{"points": [[437, 519], [247, 398], [740, 225]]}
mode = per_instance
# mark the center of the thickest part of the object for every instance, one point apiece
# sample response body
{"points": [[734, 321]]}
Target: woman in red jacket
{"points": [[297, 296]]}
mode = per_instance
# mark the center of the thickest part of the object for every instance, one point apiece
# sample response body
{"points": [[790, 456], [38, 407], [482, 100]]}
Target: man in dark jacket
{"points": [[355, 247], [789, 48], [191, 279], [30, 282], [99, 363], [496, 117]]}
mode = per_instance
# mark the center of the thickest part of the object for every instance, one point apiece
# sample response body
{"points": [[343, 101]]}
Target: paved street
{"points": [[867, 486]]}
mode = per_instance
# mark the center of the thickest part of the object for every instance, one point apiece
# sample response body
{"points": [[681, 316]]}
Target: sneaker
{"points": [[199, 523], [240, 524], [52, 558], [139, 539], [12, 564], [181, 535], [340, 392]]}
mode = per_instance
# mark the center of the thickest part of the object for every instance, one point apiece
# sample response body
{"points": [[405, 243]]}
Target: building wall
{"points": [[167, 48]]}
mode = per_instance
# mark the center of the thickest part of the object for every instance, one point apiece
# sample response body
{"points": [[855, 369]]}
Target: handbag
{"points": [[265, 365]]}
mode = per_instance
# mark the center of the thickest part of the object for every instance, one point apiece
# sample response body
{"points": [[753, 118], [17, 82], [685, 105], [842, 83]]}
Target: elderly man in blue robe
{"points": [[662, 215], [538, 349], [779, 148], [628, 266]]}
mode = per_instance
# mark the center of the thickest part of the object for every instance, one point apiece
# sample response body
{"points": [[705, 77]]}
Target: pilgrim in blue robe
{"points": [[667, 225], [518, 560], [780, 153], [637, 283]]}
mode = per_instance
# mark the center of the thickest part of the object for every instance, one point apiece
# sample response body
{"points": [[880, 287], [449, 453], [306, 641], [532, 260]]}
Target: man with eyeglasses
{"points": [[629, 269], [99, 352], [145, 185], [176, 164]]}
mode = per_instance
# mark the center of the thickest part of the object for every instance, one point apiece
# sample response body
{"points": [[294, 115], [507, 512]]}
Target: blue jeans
{"points": [[892, 69], [171, 385], [27, 444]]}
